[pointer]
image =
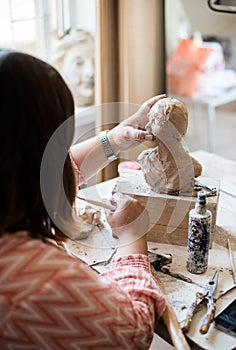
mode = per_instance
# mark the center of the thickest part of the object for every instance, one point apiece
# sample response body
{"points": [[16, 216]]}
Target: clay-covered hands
{"points": [[129, 222], [130, 132]]}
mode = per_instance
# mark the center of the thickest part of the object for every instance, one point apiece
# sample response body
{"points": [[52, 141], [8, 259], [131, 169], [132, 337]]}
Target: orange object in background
{"points": [[184, 67]]}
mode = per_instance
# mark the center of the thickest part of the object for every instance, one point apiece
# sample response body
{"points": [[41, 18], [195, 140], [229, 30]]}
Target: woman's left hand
{"points": [[131, 132]]}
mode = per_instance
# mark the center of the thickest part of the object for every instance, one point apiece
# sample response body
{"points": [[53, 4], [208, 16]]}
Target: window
{"points": [[33, 26]]}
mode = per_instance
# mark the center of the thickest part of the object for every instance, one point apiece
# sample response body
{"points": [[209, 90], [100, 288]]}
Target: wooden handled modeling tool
{"points": [[99, 204], [231, 255], [178, 339]]}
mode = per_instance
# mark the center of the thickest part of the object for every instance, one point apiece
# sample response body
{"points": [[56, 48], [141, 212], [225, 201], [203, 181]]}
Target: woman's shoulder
{"points": [[21, 247], [31, 258], [21, 243], [27, 265]]}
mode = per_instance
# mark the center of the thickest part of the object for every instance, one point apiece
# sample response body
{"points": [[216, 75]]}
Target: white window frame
{"points": [[42, 22]]}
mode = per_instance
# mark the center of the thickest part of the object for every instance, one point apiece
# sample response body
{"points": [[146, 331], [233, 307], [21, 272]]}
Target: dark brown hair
{"points": [[34, 102]]}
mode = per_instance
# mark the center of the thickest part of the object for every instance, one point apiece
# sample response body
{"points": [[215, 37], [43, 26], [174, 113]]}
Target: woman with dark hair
{"points": [[49, 300]]}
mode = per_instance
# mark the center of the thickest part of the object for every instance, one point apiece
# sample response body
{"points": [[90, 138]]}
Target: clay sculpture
{"points": [[168, 168]]}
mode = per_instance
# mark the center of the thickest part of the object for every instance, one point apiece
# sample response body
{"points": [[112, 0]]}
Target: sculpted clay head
{"points": [[167, 168], [168, 116], [74, 59]]}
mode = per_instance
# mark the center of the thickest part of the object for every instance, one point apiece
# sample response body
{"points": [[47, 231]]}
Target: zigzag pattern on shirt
{"points": [[56, 302]]}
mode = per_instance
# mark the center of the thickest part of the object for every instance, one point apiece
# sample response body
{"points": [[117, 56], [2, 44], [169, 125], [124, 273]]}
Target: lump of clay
{"points": [[168, 168]]}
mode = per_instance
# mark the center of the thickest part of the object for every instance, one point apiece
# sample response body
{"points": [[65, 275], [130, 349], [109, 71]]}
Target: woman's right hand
{"points": [[131, 131], [129, 222]]}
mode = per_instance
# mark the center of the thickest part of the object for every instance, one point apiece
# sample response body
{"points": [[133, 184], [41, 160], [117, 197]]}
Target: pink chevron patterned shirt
{"points": [[49, 300]]}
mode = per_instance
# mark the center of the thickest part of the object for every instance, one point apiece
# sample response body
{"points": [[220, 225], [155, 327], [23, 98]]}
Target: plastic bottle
{"points": [[199, 231]]}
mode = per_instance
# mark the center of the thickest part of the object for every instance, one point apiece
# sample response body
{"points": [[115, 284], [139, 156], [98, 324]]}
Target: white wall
{"points": [[195, 15]]}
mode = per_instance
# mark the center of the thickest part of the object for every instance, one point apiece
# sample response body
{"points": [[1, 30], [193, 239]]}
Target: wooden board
{"points": [[168, 214]]}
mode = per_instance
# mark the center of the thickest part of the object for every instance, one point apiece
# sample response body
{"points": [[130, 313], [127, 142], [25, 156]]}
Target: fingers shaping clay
{"points": [[168, 168]]}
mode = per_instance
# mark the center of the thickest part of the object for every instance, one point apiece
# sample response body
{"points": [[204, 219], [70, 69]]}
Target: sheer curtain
{"points": [[130, 60]]}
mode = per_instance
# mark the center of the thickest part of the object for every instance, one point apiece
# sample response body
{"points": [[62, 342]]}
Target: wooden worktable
{"points": [[100, 246]]}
